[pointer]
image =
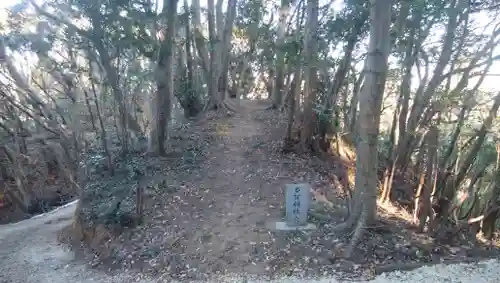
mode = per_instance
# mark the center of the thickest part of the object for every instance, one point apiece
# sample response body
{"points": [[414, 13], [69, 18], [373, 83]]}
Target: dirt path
{"points": [[222, 216], [29, 254], [235, 221]]}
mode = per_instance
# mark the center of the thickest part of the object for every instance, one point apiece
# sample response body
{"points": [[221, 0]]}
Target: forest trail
{"points": [[240, 189], [232, 224]]}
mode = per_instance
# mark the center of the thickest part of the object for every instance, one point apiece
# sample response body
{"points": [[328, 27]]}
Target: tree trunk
{"points": [[492, 212], [353, 109], [104, 134], [253, 34], [401, 113], [199, 39], [279, 65], [164, 82], [471, 156], [370, 104], [340, 76], [294, 100], [423, 208], [226, 36], [423, 97], [311, 76], [193, 102]]}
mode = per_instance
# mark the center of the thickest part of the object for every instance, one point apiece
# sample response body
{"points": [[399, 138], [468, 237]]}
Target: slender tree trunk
{"points": [[280, 57], [295, 90], [227, 35], [471, 156], [370, 103], [353, 109], [491, 214], [340, 76], [164, 83], [399, 118], [423, 197], [310, 72], [422, 99], [193, 99]]}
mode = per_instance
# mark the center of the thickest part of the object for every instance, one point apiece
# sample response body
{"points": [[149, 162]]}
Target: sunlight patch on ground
{"points": [[223, 129], [389, 210]]}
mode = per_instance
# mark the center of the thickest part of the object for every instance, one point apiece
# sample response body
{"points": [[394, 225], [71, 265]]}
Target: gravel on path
{"points": [[30, 253]]}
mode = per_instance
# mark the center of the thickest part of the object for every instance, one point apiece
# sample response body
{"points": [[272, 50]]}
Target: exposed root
{"points": [[358, 233], [320, 217], [230, 105], [289, 145], [346, 225], [211, 104], [226, 107]]}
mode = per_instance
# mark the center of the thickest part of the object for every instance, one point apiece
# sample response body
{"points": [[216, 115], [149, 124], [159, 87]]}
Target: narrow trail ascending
{"points": [[29, 252], [236, 209]]}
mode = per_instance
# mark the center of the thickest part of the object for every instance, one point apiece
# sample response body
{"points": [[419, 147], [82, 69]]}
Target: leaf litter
{"points": [[207, 205]]}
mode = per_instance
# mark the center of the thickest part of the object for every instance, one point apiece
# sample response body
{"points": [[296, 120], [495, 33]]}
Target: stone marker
{"points": [[297, 200]]}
